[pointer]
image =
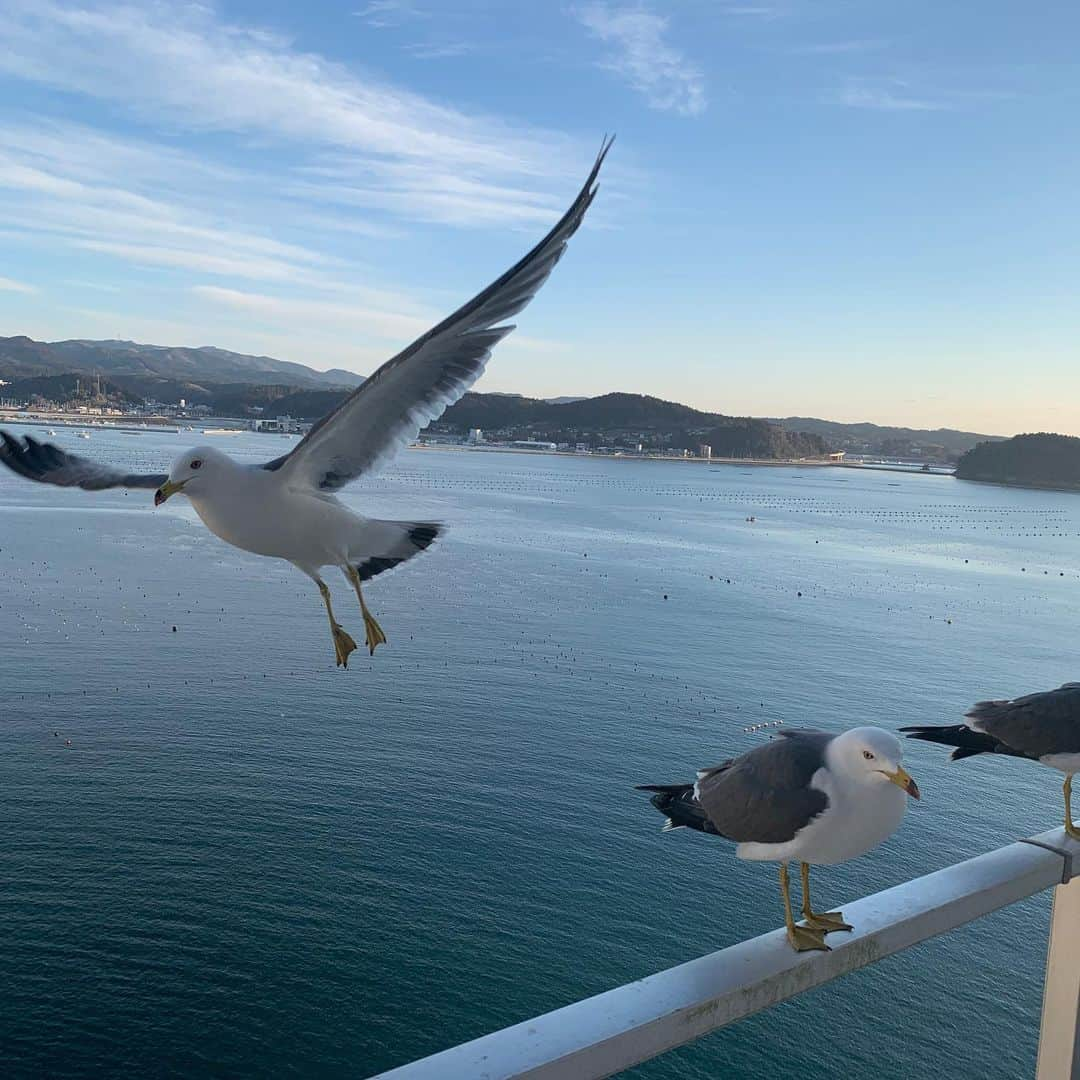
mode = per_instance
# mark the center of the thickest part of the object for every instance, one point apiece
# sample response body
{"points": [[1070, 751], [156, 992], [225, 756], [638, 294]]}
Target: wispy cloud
{"points": [[204, 261], [97, 286], [272, 167], [892, 95], [839, 48], [424, 192], [289, 314], [289, 311], [116, 197], [383, 13], [10, 285], [755, 11], [187, 67], [640, 54], [388, 14], [436, 50]]}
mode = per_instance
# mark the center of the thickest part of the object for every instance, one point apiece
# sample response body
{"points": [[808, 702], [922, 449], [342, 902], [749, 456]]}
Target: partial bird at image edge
{"points": [[1042, 727]]}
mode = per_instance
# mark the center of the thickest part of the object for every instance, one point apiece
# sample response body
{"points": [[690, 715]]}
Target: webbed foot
{"points": [[827, 921], [374, 635], [343, 645], [805, 939]]}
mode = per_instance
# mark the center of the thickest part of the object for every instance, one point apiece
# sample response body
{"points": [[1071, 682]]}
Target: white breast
{"points": [[263, 517], [858, 818]]}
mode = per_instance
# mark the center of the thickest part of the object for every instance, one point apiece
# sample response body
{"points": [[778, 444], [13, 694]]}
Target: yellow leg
{"points": [[802, 938], [372, 629], [828, 921], [1070, 828], [343, 642]]}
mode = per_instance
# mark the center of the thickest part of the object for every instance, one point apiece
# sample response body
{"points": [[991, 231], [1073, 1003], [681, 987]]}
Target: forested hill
{"points": [[22, 357], [1041, 460], [865, 438], [624, 420], [609, 412], [237, 384], [618, 420]]}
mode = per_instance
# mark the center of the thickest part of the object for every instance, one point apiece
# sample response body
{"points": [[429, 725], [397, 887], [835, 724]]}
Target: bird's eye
{"points": [[196, 464], [866, 754]]}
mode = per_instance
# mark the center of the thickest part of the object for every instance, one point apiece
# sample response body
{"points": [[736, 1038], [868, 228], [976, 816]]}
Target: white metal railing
{"points": [[605, 1034]]}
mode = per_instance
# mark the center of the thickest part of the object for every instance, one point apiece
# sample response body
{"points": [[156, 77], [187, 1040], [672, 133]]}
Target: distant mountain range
{"points": [[22, 357], [847, 436], [236, 384], [630, 413]]}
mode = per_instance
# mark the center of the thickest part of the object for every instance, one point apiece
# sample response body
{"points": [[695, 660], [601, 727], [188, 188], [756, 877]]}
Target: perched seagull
{"points": [[1042, 727], [807, 796], [286, 508]]}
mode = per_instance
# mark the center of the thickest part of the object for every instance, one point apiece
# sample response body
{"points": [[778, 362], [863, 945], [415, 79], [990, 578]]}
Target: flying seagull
{"points": [[286, 508], [1042, 727], [808, 797]]}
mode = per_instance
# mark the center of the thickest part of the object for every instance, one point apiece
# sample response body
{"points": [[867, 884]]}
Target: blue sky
{"points": [[857, 210]]}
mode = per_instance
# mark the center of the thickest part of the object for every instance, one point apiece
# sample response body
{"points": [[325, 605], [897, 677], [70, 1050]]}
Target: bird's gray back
{"points": [[765, 795], [1035, 725]]}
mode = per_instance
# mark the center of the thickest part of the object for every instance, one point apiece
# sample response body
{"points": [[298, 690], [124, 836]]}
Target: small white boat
{"points": [[51, 432], [82, 434]]}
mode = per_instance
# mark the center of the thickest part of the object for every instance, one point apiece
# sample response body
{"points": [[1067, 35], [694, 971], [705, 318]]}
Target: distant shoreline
{"points": [[69, 420], [94, 425], [810, 463], [1031, 485]]}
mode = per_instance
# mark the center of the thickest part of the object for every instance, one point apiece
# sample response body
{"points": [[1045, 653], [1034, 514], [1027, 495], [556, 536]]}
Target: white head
{"points": [[868, 755], [193, 471]]}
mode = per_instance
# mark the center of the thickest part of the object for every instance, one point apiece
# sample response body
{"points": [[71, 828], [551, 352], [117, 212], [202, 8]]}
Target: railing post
{"points": [[1059, 1035]]}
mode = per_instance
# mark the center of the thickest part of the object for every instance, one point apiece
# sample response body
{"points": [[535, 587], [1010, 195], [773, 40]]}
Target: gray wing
{"points": [[765, 795], [389, 409], [1034, 725], [48, 464]]}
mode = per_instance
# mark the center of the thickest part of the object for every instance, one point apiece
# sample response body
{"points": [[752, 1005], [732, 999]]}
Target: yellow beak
{"points": [[167, 490], [902, 780]]}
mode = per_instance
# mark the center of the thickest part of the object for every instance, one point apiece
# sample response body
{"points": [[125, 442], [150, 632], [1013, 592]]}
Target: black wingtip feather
{"points": [[677, 803], [967, 741], [47, 463], [421, 535], [376, 565], [21, 455], [424, 534], [962, 752]]}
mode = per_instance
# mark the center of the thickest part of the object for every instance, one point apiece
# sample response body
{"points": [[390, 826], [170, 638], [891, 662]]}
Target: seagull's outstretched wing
{"points": [[47, 463], [389, 409]]}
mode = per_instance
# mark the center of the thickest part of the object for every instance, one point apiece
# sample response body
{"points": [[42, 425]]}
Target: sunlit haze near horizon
{"points": [[852, 211]]}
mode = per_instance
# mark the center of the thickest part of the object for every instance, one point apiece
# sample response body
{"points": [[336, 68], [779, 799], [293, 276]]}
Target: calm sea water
{"points": [[248, 862]]}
